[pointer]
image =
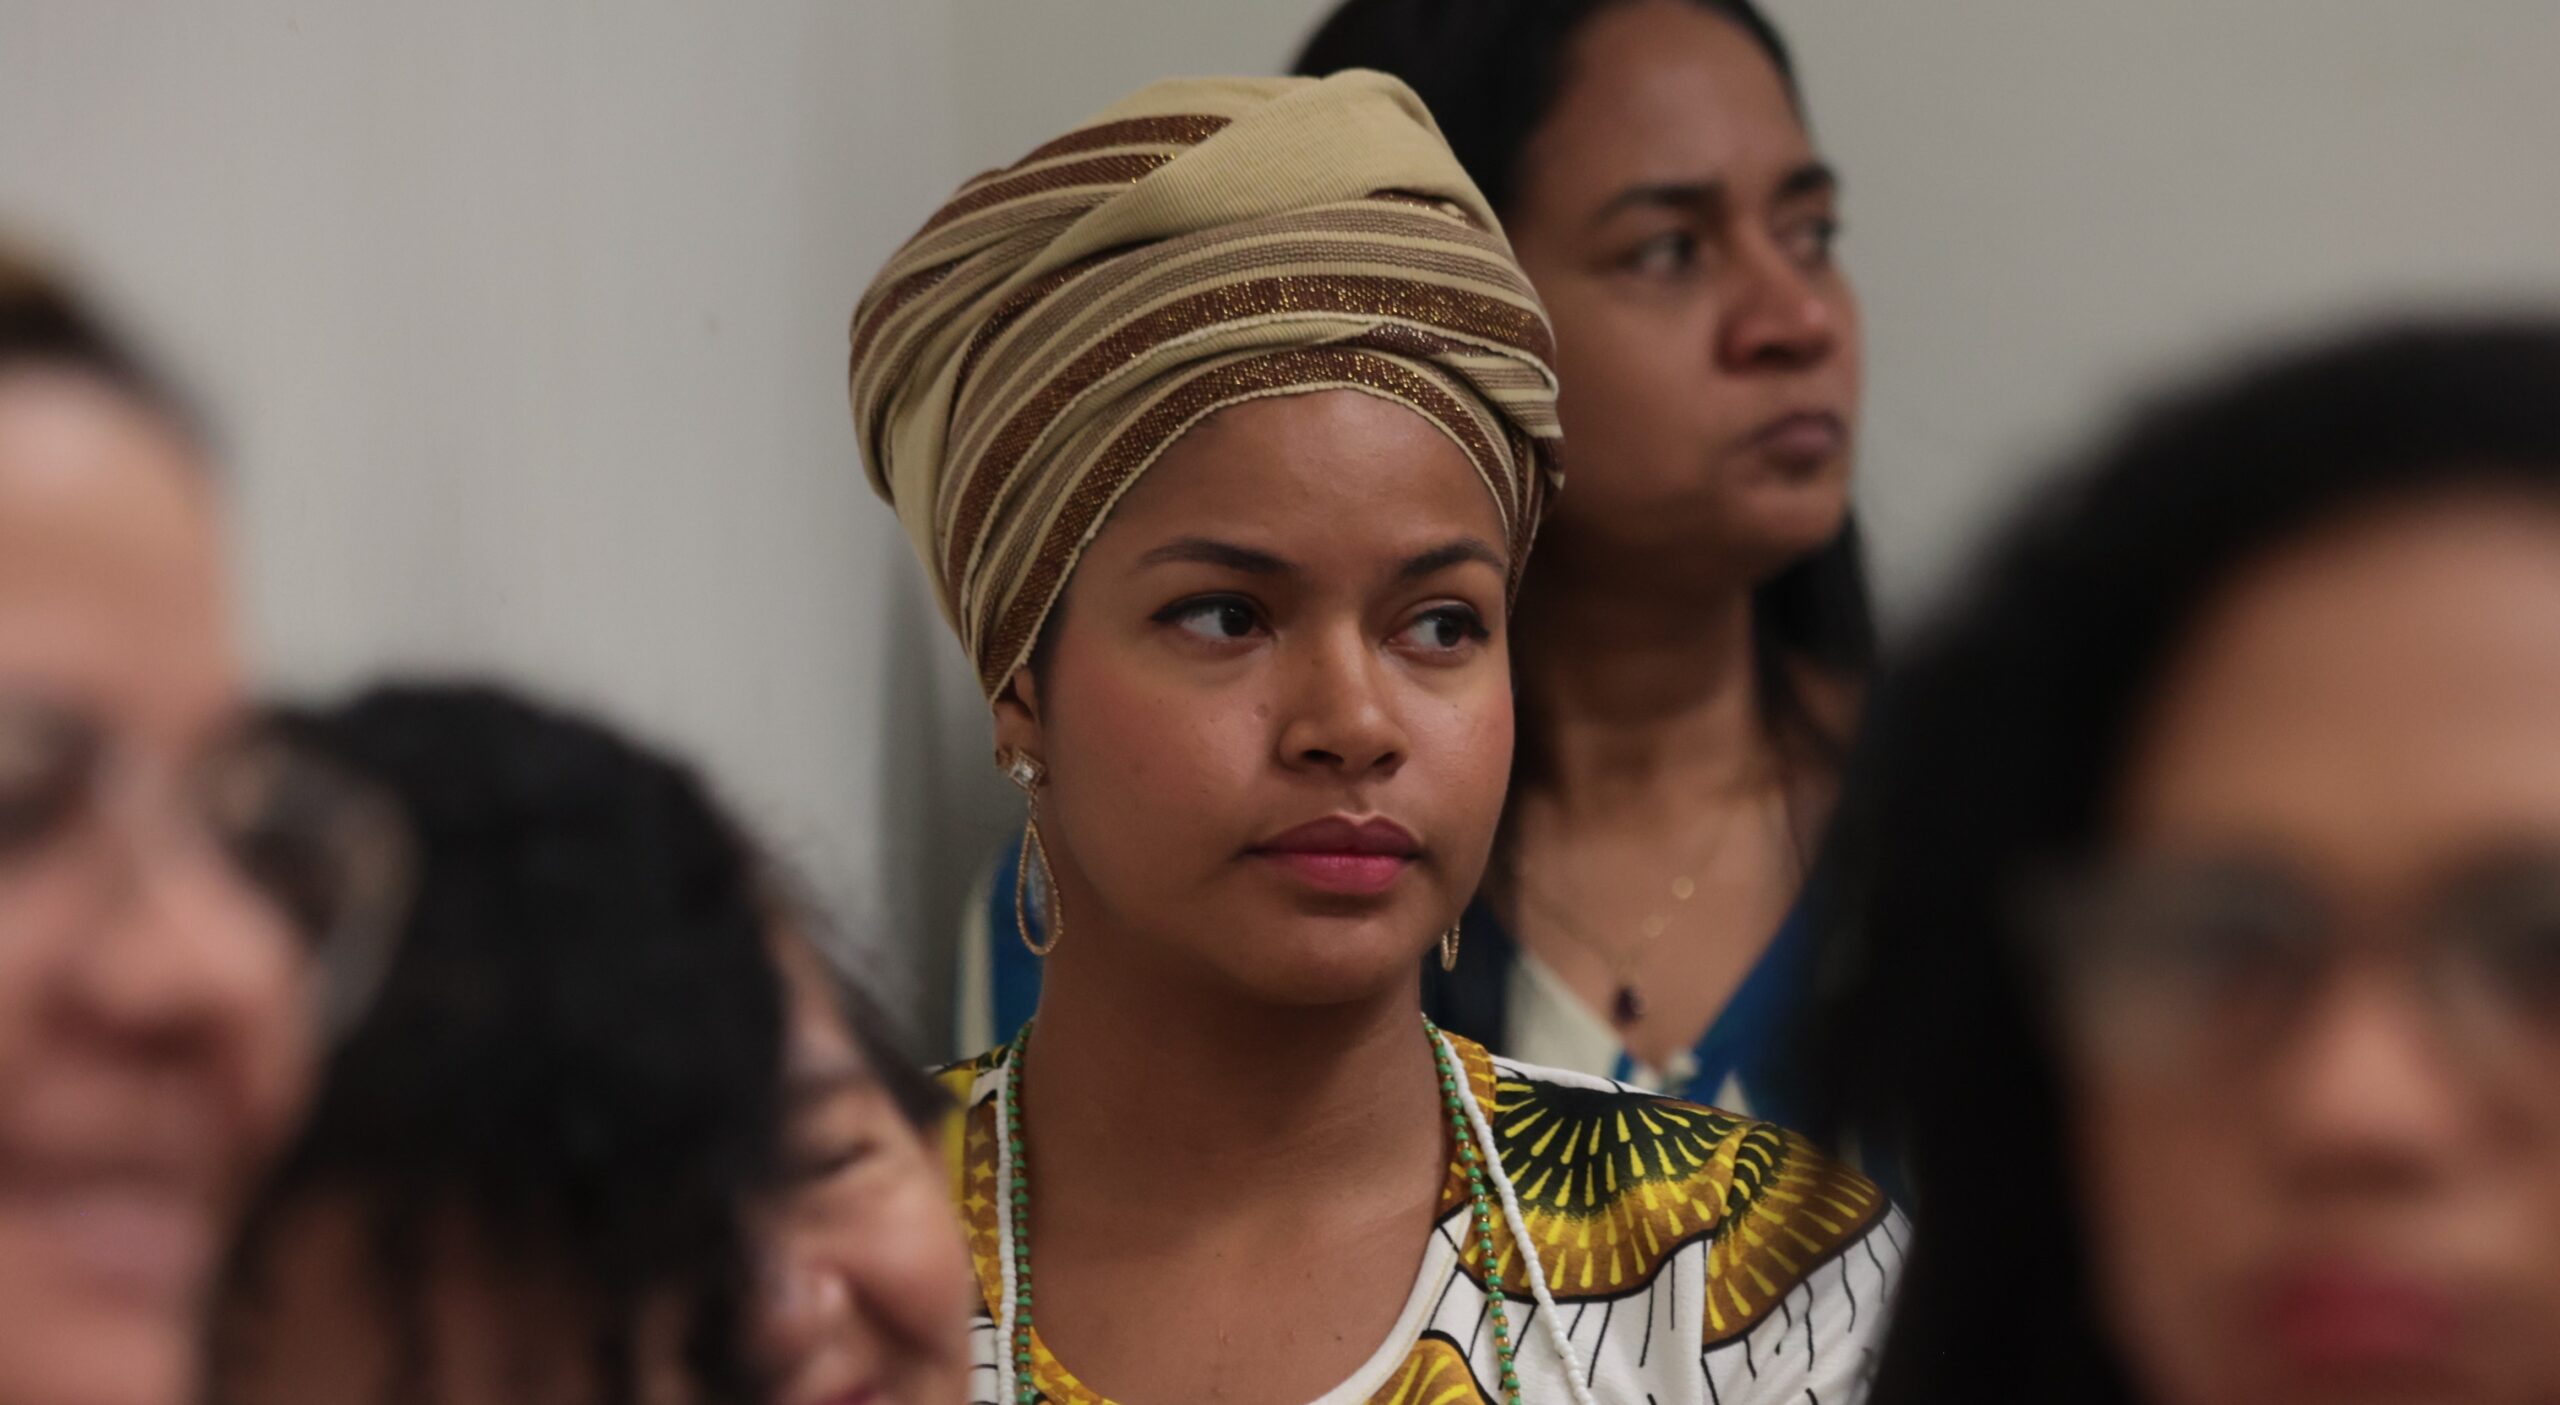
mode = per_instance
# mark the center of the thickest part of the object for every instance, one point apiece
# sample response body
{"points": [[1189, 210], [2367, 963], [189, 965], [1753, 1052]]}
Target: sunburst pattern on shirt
{"points": [[1435, 1373], [1613, 1183]]}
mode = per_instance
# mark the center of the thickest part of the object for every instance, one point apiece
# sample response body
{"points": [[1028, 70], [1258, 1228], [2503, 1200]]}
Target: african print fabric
{"points": [[1698, 1258], [1036, 347]]}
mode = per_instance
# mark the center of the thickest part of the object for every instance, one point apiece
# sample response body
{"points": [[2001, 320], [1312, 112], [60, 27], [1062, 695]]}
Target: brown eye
{"points": [[1811, 242], [1665, 255], [1219, 619], [816, 1162], [1445, 630], [46, 761], [2504, 922]]}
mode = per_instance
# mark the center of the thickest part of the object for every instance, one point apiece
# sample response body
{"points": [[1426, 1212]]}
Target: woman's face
{"points": [[153, 1044], [1276, 717], [870, 1289], [2319, 1084], [1679, 227]]}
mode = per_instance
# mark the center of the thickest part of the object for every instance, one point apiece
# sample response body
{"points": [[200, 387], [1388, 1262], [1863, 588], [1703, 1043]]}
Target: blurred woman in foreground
{"points": [[2211, 961], [185, 896]]}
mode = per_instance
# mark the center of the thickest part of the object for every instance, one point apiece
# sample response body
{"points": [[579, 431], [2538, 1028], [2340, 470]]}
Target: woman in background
{"points": [[1222, 425], [1695, 637], [186, 897], [1692, 642], [2210, 968], [614, 1133]]}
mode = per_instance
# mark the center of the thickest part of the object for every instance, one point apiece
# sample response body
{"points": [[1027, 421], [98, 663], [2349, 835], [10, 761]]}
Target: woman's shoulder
{"points": [[1657, 1137], [1658, 1174]]}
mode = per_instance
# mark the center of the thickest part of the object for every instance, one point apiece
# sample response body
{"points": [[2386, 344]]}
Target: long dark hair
{"points": [[1992, 753], [1491, 71]]}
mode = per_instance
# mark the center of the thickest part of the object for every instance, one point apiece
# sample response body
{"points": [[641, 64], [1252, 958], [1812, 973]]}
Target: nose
{"points": [[1341, 717], [803, 1302], [1782, 319], [2366, 1099], [183, 961]]}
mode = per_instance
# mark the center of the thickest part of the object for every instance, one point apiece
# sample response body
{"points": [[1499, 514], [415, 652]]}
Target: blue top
{"points": [[1012, 989]]}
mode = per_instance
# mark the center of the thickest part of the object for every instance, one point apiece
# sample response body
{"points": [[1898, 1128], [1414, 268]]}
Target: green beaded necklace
{"points": [[1017, 1198]]}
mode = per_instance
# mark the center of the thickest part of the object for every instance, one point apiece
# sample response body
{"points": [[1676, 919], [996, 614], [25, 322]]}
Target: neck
{"points": [[1149, 1093], [1637, 689]]}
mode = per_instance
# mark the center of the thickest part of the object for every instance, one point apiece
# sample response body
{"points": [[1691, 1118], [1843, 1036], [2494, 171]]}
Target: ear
{"points": [[1017, 711]]}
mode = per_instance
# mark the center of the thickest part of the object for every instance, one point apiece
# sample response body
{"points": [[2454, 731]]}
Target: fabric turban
{"points": [[1059, 322]]}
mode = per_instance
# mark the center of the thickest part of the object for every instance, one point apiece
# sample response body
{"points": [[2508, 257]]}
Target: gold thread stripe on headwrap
{"points": [[1060, 322]]}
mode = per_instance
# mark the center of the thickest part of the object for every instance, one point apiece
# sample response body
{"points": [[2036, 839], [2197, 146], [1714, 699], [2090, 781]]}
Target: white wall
{"points": [[2051, 203], [526, 325], [527, 316]]}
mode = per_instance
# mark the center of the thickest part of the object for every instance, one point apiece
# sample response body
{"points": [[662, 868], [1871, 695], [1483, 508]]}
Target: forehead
{"points": [[110, 563], [1329, 473], [1664, 91], [816, 1038], [2380, 697]]}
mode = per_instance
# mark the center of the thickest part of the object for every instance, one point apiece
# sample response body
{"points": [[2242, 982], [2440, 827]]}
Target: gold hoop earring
{"points": [[1449, 947], [1029, 775]]}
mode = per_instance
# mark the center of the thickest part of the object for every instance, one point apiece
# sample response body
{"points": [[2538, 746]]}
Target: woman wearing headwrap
{"points": [[1222, 426]]}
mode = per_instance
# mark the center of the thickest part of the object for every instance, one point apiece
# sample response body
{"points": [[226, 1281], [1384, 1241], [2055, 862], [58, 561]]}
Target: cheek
{"points": [[1631, 373], [1645, 412], [913, 1268], [1139, 764], [22, 980], [1466, 739], [1849, 359], [2164, 1258], [283, 1066], [276, 994]]}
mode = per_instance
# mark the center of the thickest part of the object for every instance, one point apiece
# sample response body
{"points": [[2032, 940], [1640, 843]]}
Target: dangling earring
{"points": [[1449, 947], [1029, 775]]}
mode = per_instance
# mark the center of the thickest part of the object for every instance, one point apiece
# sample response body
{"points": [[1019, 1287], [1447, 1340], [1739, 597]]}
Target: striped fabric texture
{"points": [[1033, 350]]}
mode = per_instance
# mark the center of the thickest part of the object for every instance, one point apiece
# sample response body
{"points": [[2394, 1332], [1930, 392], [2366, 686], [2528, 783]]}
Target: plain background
{"points": [[524, 319]]}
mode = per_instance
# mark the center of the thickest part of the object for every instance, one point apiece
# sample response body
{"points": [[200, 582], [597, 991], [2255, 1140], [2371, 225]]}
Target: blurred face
{"points": [[1277, 716], [1679, 228], [152, 1032], [871, 1281], [2317, 1025]]}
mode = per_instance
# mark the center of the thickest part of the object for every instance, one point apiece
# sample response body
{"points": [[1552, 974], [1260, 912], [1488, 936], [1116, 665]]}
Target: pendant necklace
{"points": [[1627, 1006], [1626, 1002]]}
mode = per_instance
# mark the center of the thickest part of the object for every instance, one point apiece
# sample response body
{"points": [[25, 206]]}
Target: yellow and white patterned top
{"points": [[1699, 1258]]}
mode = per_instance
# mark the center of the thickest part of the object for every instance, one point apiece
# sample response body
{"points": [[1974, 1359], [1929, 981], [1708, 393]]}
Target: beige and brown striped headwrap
{"points": [[1059, 322]]}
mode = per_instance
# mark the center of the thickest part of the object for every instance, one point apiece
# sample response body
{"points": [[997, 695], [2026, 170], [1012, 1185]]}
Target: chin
{"points": [[1334, 967], [1783, 524]]}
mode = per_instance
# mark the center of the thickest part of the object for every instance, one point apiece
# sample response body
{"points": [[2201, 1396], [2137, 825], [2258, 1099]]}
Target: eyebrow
{"points": [[1708, 197], [1208, 551], [1811, 178], [1456, 553]]}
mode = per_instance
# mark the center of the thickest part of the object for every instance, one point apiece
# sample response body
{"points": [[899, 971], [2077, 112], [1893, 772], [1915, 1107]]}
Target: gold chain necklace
{"points": [[1627, 1006]]}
